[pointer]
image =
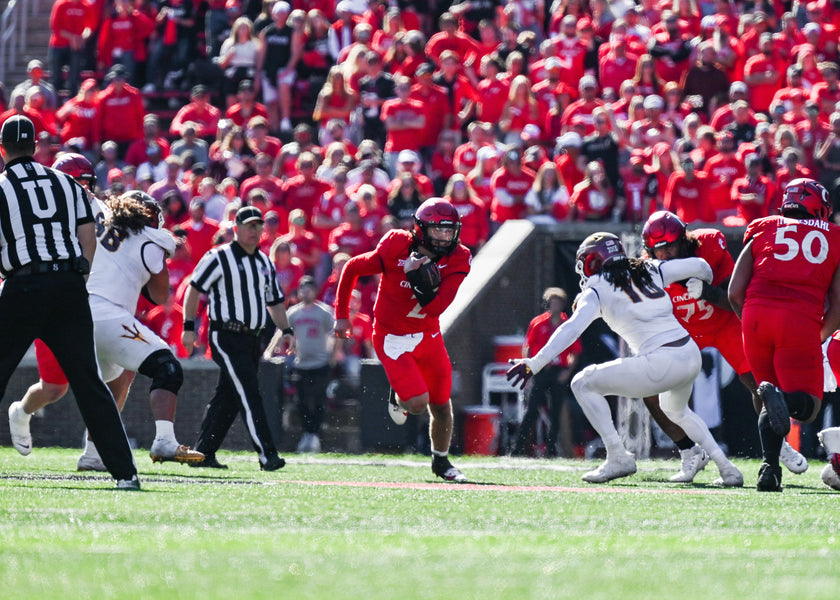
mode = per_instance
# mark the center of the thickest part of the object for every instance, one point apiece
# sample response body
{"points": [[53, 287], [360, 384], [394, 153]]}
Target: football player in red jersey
{"points": [[786, 288], [406, 330], [705, 312]]}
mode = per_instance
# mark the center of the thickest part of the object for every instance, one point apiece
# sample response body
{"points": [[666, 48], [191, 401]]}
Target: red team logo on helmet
{"points": [[662, 228], [76, 166], [437, 212], [595, 252], [808, 196]]}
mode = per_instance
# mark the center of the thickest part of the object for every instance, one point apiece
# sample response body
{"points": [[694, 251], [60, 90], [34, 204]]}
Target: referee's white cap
{"points": [[17, 130]]}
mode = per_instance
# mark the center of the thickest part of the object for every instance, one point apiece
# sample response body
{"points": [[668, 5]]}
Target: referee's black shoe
{"points": [[273, 463], [209, 462]]}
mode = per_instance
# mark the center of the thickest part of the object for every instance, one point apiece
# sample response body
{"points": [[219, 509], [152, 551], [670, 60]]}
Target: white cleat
{"points": [[829, 473], [792, 460], [619, 465], [90, 463], [397, 413], [693, 460], [730, 476], [19, 428]]}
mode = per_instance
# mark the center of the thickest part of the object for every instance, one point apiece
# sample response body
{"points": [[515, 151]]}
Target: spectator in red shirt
{"points": [[351, 237], [593, 199], [475, 218], [449, 38], [136, 153], [304, 190], [199, 111], [552, 389], [569, 160], [510, 184], [404, 119], [791, 169], [306, 246], [167, 320], [435, 104], [273, 186], [751, 194], [492, 92], [290, 269], [71, 25], [583, 107], [271, 230], [617, 65], [246, 106], [762, 74], [119, 111], [826, 93], [480, 177], [260, 141], [722, 169], [120, 34], [77, 116], [200, 230]]}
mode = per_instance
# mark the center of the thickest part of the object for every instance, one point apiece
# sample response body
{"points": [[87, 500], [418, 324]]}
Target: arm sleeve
{"points": [[588, 309], [685, 268], [368, 263]]}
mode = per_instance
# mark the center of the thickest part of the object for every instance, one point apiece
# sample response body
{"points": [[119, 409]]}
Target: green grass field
{"points": [[381, 527]]}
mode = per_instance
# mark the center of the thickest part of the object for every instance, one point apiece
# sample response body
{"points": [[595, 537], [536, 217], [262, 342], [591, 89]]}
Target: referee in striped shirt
{"points": [[241, 285], [47, 242]]}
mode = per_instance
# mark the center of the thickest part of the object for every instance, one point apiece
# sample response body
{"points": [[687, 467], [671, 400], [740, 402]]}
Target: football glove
{"points": [[424, 282], [694, 287], [519, 374]]}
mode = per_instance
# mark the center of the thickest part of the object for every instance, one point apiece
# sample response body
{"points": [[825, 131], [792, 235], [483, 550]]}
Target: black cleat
{"points": [[777, 410], [444, 469], [769, 478], [209, 462], [273, 463]]}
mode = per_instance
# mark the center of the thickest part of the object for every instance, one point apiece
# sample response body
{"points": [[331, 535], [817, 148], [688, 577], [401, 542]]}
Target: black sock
{"points": [[771, 442], [685, 443], [800, 405]]}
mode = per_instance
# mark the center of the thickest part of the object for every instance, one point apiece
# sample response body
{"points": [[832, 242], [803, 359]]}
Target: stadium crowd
{"points": [[338, 120]]}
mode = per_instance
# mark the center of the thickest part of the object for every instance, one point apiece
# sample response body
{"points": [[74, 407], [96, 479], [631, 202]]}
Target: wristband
{"points": [[288, 331], [189, 325]]}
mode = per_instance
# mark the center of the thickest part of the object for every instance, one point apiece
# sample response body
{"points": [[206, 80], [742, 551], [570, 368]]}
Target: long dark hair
{"points": [[624, 271]]}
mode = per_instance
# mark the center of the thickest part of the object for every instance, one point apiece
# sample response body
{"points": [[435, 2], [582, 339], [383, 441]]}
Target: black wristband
{"points": [[189, 325], [712, 293], [288, 331]]}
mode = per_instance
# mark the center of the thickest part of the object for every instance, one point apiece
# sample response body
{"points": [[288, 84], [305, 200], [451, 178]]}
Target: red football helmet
{"points": [[662, 228], [76, 166], [595, 252], [806, 195], [439, 213], [153, 209]]}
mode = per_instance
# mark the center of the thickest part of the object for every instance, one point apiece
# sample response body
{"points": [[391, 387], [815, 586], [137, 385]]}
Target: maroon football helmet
{"points": [[76, 166], [437, 212], [662, 228], [595, 252], [153, 209], [806, 195]]}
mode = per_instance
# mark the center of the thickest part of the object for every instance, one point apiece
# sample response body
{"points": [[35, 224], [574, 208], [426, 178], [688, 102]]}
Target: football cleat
{"points": [[730, 476], [830, 440], [19, 428], [209, 462], [130, 485], [166, 450], [769, 478], [792, 460], [90, 463], [777, 409], [692, 461], [831, 472], [619, 465], [397, 413], [444, 469]]}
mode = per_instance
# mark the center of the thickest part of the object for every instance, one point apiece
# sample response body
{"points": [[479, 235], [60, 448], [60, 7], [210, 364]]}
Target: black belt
{"points": [[234, 327], [678, 343], [39, 268]]}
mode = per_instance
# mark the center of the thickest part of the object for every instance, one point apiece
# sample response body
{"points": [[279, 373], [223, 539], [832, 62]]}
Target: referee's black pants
{"points": [[238, 391], [54, 307]]}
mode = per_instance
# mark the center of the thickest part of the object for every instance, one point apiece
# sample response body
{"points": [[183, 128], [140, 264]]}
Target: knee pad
{"points": [[802, 405], [164, 370]]}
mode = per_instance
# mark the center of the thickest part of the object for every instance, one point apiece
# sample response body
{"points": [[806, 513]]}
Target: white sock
{"points": [[440, 454], [165, 430]]}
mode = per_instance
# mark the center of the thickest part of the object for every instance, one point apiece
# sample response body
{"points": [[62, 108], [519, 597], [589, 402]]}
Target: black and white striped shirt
{"points": [[239, 285], [40, 209]]}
